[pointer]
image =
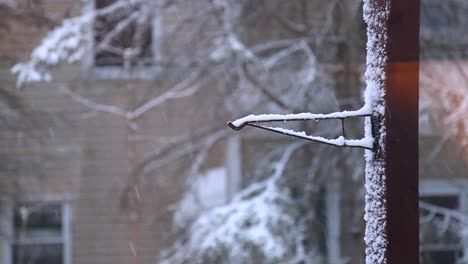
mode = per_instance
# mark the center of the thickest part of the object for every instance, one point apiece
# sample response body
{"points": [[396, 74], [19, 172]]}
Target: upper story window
{"points": [[124, 41], [441, 238], [443, 22], [439, 15], [40, 233]]}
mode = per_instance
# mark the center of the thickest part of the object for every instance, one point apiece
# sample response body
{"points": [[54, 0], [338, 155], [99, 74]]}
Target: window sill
{"points": [[119, 73]]}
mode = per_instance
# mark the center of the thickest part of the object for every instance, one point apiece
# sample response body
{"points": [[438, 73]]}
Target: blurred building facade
{"points": [[71, 187]]}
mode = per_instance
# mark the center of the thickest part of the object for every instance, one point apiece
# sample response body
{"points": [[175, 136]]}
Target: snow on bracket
{"points": [[341, 141]]}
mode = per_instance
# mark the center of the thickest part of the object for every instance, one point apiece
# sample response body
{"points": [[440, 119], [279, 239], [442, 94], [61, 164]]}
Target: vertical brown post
{"points": [[401, 121]]}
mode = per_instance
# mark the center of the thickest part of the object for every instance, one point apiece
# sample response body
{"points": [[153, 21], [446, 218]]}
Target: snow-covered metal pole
{"points": [[376, 17], [391, 131], [391, 210]]}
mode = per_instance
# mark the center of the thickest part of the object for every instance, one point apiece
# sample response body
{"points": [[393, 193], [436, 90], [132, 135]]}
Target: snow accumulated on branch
{"points": [[261, 221], [376, 17], [63, 44], [432, 210], [207, 190], [445, 223]]}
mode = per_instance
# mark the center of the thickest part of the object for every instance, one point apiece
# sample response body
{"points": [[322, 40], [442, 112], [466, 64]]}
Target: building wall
{"points": [[86, 158]]}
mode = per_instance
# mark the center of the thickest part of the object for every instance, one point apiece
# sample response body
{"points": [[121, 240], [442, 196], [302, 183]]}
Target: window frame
{"points": [[447, 187], [333, 211], [233, 165], [65, 231], [143, 72]]}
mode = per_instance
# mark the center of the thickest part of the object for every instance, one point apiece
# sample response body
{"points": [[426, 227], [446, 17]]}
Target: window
{"points": [[123, 42], [439, 15], [41, 234], [441, 236], [441, 23]]}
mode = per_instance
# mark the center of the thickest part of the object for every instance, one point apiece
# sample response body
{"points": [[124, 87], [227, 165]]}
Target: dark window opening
{"points": [[38, 237], [38, 254], [441, 241], [131, 41], [32, 217], [439, 15]]}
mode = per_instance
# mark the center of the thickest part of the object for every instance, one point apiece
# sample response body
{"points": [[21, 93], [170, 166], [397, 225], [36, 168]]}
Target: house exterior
{"points": [[70, 194], [74, 189]]}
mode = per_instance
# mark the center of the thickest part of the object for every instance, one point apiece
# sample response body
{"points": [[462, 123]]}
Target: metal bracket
{"points": [[301, 135]]}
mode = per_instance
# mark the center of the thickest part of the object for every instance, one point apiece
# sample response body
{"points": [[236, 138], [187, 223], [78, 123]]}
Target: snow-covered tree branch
{"points": [[262, 219], [285, 70]]}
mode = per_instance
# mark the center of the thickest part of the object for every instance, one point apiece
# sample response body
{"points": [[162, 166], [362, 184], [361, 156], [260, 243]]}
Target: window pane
{"points": [[440, 237], [38, 216], [37, 254], [128, 35], [439, 257], [439, 15], [450, 202]]}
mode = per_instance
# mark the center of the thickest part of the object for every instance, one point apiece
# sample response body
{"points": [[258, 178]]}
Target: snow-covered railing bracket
{"points": [[341, 141]]}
